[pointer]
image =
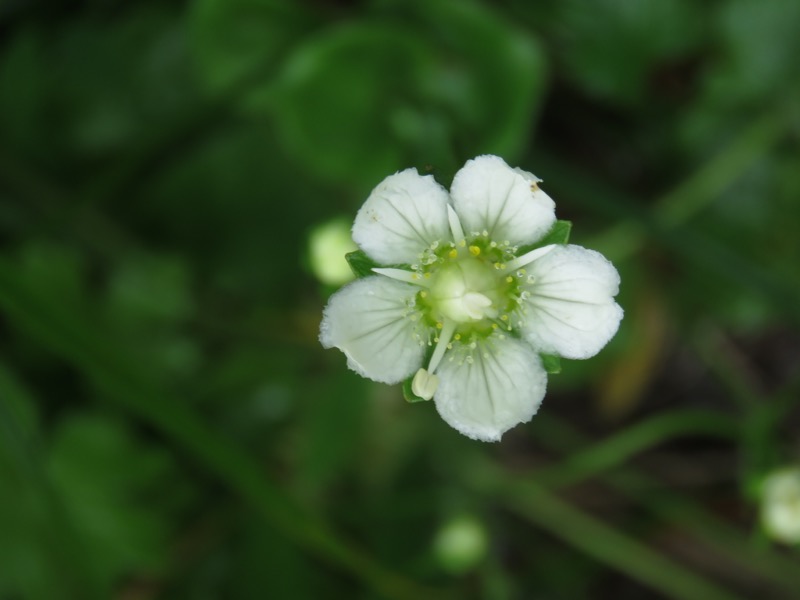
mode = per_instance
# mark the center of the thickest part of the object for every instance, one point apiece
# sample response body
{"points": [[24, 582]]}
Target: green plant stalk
{"points": [[72, 337], [596, 539], [673, 507], [619, 448], [709, 530]]}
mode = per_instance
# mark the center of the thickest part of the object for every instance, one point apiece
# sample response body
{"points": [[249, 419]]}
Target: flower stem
{"points": [[593, 537]]}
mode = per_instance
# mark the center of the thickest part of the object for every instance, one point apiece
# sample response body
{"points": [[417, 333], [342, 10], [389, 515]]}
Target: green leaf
{"points": [[410, 396], [353, 88], [360, 263], [235, 39], [551, 363], [616, 61], [489, 76]]}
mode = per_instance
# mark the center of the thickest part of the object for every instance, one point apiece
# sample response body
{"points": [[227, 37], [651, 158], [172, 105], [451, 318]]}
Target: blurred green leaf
{"points": [[611, 47], [761, 49], [90, 90], [756, 62], [154, 288], [55, 270], [415, 85], [119, 492], [343, 90], [490, 76], [240, 40]]}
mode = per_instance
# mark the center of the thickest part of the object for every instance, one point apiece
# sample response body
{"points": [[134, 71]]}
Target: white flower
{"points": [[463, 303], [780, 505]]}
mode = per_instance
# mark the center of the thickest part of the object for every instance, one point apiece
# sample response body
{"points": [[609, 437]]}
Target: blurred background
{"points": [[177, 183]]}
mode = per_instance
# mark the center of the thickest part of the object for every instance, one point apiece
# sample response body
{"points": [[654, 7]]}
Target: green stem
{"points": [[598, 540], [557, 434], [633, 440]]}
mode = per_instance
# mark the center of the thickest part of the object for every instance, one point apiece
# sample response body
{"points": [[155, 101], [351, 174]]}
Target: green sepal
{"points": [[360, 263], [410, 396], [551, 363], [558, 234]]}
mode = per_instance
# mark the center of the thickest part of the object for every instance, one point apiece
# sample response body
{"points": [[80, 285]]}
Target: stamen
{"points": [[448, 329], [474, 250], [529, 257], [455, 224], [401, 275]]}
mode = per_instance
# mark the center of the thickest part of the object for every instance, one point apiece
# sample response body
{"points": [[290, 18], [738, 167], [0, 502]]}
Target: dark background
{"points": [[170, 426]]}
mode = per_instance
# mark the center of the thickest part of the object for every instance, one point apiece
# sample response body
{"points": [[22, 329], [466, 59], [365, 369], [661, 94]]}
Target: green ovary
{"points": [[468, 290]]}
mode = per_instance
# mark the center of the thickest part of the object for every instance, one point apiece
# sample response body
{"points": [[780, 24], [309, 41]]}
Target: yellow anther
{"points": [[453, 253], [457, 336], [439, 325], [509, 279], [494, 325], [423, 294], [427, 275], [462, 243], [474, 250], [414, 276], [497, 265], [504, 318]]}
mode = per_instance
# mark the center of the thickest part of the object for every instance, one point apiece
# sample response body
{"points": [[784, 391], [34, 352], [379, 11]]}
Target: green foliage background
{"points": [[170, 426]]}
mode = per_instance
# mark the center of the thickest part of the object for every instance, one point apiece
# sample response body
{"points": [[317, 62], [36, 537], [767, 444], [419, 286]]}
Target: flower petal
{"points": [[502, 386], [369, 321], [489, 195], [571, 310], [403, 216]]}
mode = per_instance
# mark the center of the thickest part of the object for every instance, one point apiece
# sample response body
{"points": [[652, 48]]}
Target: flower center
{"points": [[466, 290]]}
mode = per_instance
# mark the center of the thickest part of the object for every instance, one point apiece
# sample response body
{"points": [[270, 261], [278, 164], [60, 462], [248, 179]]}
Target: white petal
{"points": [[501, 387], [367, 321], [571, 310], [489, 195], [403, 216]]}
